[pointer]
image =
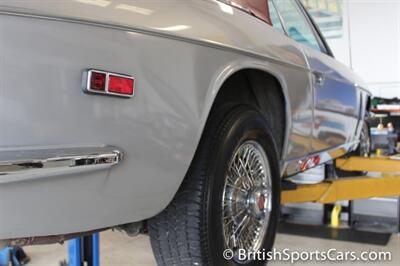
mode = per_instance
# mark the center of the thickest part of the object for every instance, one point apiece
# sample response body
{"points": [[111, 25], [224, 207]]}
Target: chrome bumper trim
{"points": [[18, 165]]}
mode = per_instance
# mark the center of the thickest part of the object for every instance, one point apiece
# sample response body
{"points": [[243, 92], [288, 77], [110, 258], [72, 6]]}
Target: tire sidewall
{"points": [[247, 125]]}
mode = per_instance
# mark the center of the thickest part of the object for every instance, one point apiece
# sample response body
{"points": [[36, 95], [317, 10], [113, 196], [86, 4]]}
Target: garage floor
{"points": [[117, 249]]}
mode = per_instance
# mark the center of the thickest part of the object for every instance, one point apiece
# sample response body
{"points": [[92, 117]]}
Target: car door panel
{"points": [[336, 101], [335, 95]]}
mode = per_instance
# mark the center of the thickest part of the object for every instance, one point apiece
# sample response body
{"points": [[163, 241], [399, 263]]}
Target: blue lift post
{"points": [[5, 256], [84, 251], [14, 256]]}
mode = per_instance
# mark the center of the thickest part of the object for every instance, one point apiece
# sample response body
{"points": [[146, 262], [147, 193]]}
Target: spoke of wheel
{"points": [[249, 163], [230, 180], [246, 173], [237, 214], [233, 167], [245, 223], [239, 176], [240, 227], [237, 188], [249, 236]]}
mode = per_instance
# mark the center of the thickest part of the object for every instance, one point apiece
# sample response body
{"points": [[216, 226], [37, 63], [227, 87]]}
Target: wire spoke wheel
{"points": [[246, 202]]}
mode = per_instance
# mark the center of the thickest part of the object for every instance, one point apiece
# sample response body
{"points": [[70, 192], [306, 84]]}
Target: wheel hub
{"points": [[257, 200]]}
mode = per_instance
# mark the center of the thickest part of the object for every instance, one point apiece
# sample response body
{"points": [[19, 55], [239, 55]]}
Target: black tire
{"points": [[363, 149], [189, 230]]}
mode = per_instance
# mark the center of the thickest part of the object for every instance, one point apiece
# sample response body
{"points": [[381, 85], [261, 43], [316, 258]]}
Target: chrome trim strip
{"points": [[292, 167], [19, 165]]}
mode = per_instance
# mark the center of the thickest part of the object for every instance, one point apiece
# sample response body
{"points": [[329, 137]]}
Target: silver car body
{"points": [[180, 53]]}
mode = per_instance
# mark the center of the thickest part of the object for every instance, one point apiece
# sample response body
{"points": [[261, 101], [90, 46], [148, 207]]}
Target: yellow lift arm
{"points": [[351, 188]]}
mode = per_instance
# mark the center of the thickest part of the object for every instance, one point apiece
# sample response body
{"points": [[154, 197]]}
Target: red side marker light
{"points": [[98, 81], [309, 162], [103, 82], [121, 85]]}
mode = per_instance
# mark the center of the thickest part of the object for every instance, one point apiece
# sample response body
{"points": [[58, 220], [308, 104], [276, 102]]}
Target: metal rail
{"points": [[369, 164], [351, 188]]}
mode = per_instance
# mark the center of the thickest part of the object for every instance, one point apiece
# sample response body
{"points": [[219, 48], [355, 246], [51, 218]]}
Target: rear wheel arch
{"points": [[249, 86], [262, 90]]}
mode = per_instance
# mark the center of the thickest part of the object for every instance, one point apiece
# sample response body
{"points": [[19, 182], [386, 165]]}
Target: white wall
{"points": [[371, 43]]}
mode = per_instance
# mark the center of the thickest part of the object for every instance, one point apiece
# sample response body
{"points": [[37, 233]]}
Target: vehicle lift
{"points": [[84, 251], [334, 189], [14, 256], [351, 188]]}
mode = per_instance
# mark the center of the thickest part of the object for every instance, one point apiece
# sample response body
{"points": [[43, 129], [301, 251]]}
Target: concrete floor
{"points": [[117, 249]]}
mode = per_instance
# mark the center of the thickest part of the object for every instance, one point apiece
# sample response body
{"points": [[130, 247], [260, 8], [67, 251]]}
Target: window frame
{"points": [[324, 48], [279, 17], [317, 32]]}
